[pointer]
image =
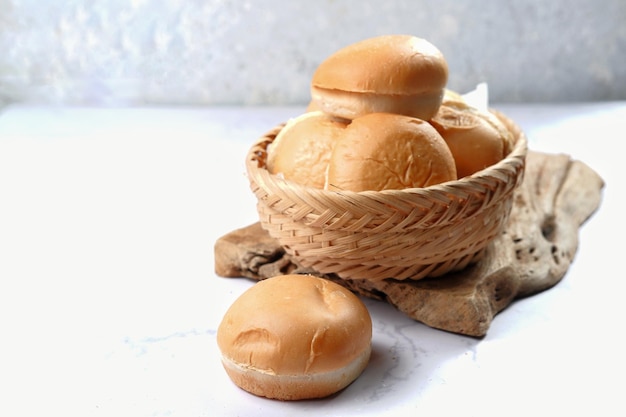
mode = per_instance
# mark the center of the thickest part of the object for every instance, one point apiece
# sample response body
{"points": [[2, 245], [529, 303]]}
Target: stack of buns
{"points": [[381, 117]]}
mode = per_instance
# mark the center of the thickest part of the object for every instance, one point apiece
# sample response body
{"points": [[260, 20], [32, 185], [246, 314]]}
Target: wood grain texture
{"points": [[533, 253]]}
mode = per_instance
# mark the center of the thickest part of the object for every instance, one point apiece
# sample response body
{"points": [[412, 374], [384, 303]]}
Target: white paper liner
{"points": [[478, 97]]}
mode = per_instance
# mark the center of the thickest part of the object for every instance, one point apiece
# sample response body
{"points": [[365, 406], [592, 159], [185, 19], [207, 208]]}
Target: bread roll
{"points": [[477, 139], [510, 125], [393, 73], [381, 151], [312, 106], [451, 96], [301, 150], [294, 337]]}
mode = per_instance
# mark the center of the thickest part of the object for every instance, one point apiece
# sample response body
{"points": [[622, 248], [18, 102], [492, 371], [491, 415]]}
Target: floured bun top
{"points": [[301, 150], [476, 138], [295, 325], [382, 151]]}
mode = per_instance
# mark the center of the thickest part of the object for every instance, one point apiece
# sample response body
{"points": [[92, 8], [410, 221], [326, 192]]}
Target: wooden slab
{"points": [[532, 254]]}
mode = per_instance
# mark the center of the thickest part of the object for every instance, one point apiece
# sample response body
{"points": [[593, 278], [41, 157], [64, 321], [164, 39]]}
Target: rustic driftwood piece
{"points": [[532, 254]]}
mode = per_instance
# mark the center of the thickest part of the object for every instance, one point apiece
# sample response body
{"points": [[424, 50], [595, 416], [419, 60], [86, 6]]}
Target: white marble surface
{"points": [[109, 303]]}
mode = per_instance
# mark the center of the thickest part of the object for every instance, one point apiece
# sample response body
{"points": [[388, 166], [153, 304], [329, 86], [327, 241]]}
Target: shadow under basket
{"points": [[402, 234]]}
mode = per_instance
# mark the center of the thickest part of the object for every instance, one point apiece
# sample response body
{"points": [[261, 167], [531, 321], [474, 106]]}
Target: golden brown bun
{"points": [[477, 139], [312, 106], [452, 97], [393, 73], [293, 337], [511, 126], [381, 151], [301, 150]]}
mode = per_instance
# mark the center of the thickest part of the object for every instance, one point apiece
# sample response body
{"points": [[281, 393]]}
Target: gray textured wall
{"points": [[207, 52]]}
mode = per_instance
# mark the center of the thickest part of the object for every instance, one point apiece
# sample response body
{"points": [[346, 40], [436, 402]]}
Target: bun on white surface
{"points": [[382, 151], [477, 139], [294, 337], [400, 74], [301, 150]]}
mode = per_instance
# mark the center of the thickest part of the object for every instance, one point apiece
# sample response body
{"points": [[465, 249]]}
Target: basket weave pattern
{"points": [[401, 234]]}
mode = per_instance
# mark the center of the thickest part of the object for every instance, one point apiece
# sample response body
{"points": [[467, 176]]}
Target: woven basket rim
{"points": [[408, 233], [257, 154]]}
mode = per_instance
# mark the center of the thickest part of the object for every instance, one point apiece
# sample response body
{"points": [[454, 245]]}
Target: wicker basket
{"points": [[401, 234]]}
